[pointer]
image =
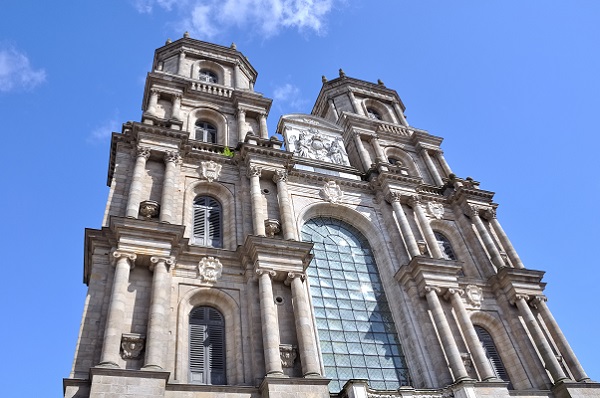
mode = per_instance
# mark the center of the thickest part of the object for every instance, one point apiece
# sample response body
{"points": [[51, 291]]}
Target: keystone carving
{"points": [[436, 210], [331, 192]]}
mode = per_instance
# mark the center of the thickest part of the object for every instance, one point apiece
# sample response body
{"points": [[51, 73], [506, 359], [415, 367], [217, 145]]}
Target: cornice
{"points": [[373, 89], [277, 255], [463, 195], [306, 175], [201, 48]]}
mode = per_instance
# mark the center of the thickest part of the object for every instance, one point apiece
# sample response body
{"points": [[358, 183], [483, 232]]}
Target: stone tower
{"points": [[352, 262]]}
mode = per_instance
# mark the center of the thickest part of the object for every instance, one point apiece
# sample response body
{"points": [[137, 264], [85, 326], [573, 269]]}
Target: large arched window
{"points": [[445, 246], [358, 339], [206, 132], [207, 346], [207, 222], [492, 353]]}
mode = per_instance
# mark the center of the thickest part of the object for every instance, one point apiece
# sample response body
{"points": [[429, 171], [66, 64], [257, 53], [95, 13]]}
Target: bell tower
{"points": [[345, 261]]}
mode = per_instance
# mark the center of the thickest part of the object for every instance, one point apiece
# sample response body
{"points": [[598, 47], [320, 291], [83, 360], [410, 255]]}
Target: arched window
{"points": [[207, 76], [207, 222], [357, 335], [445, 246], [395, 161], [492, 353], [206, 132], [373, 114], [207, 346]]}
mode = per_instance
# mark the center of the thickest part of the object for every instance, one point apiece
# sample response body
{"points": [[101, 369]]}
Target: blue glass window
{"points": [[357, 335]]}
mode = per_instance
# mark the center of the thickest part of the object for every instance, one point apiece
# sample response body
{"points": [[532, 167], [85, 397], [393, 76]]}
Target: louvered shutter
{"points": [[207, 346], [492, 353], [207, 222]]}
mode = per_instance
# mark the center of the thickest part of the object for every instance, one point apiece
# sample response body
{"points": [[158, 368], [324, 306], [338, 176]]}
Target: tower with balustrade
{"points": [[343, 260]]}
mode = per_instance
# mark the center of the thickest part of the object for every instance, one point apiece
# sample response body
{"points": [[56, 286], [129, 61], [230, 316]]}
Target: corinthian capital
{"points": [[474, 210], [414, 200], [254, 171], [489, 213], [172, 156], [280, 176], [143, 152], [395, 197]]}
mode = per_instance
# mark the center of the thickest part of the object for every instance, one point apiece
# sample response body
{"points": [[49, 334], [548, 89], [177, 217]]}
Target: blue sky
{"points": [[512, 86]]}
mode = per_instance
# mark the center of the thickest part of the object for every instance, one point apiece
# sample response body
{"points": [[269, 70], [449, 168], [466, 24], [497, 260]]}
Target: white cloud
{"points": [[104, 131], [16, 72], [211, 17], [290, 95]]}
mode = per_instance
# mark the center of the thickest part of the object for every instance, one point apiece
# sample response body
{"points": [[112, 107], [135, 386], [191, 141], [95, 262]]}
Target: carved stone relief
{"points": [[210, 170], [474, 295], [288, 354], [209, 270], [313, 144], [132, 345], [436, 210], [331, 192]]}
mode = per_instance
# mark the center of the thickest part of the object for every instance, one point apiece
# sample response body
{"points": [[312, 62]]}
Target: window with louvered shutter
{"points": [[445, 246], [492, 353], [207, 222], [207, 346]]}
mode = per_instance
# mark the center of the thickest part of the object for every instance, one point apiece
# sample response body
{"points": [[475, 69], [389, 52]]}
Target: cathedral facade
{"points": [[344, 260]]}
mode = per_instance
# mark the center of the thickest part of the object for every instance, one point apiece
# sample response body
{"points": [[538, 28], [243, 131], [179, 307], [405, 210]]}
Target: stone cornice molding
{"points": [[429, 272], [306, 176], [517, 282]]}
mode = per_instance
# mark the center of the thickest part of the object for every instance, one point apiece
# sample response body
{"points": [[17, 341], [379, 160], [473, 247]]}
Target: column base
{"points": [[312, 375], [108, 364], [152, 367]]}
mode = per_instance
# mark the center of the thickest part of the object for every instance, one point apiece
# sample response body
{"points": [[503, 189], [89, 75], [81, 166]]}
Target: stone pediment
{"points": [[312, 137]]}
